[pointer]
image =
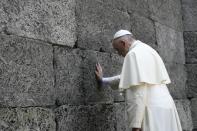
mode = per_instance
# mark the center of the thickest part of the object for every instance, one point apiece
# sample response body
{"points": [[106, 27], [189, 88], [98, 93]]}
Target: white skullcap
{"points": [[121, 33]]}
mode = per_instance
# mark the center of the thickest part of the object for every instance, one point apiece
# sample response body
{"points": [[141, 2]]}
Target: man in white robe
{"points": [[149, 105]]}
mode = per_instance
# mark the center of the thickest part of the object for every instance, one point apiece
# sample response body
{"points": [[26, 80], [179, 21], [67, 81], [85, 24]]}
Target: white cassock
{"points": [[149, 104]]}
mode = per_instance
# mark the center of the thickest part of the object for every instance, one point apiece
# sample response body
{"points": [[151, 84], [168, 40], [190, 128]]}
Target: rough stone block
{"points": [[139, 6], [115, 4], [121, 118], [26, 119], [167, 12], [184, 110], [190, 41], [111, 66], [68, 66], [26, 72], [143, 29], [99, 117], [189, 15], [75, 76], [72, 118], [194, 113], [48, 20], [97, 23], [192, 79], [178, 76], [170, 44], [102, 117]]}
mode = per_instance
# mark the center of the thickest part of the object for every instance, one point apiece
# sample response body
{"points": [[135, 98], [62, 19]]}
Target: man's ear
{"points": [[123, 43]]}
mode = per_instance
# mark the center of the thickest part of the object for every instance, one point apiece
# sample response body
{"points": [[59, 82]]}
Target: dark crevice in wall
{"points": [[76, 44], [54, 75], [155, 36], [5, 31], [41, 106], [101, 49], [56, 123], [190, 32], [64, 46], [28, 38]]}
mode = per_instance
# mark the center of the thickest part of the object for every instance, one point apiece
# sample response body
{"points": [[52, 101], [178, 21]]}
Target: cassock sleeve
{"points": [[112, 81]]}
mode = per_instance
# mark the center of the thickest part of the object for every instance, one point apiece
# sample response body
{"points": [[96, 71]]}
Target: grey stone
{"points": [[99, 117], [68, 66], [189, 15], [72, 118], [27, 119], [97, 23], [120, 5], [26, 72], [75, 76], [111, 66], [170, 44], [178, 76], [121, 119], [139, 6], [194, 113], [143, 29], [102, 117], [192, 79], [171, 49], [167, 12], [117, 96], [184, 110], [190, 41], [48, 20]]}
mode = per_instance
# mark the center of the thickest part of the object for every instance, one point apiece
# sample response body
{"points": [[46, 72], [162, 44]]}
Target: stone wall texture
{"points": [[48, 52], [189, 8]]}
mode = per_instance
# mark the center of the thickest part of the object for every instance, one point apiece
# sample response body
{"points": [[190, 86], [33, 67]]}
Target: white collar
{"points": [[133, 44]]}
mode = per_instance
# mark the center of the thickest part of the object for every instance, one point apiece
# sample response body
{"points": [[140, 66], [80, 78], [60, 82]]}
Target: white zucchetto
{"points": [[121, 33]]}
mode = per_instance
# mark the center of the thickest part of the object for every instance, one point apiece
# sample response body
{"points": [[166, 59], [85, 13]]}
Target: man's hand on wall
{"points": [[99, 73]]}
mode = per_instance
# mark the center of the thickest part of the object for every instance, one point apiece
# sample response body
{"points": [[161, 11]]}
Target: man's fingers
{"points": [[99, 64], [98, 67], [97, 73]]}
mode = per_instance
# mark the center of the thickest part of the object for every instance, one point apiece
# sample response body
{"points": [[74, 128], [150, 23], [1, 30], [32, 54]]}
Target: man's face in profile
{"points": [[119, 46]]}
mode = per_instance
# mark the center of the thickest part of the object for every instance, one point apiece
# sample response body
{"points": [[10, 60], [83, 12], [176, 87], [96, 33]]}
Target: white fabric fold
{"points": [[142, 64], [151, 108]]}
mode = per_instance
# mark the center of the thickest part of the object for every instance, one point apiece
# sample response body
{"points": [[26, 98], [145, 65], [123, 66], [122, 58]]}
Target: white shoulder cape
{"points": [[142, 64]]}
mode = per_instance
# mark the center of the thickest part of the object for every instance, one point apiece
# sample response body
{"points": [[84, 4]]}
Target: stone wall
{"points": [[190, 41], [48, 52]]}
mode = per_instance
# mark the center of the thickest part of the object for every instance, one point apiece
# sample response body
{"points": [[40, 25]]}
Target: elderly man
{"points": [[149, 105]]}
